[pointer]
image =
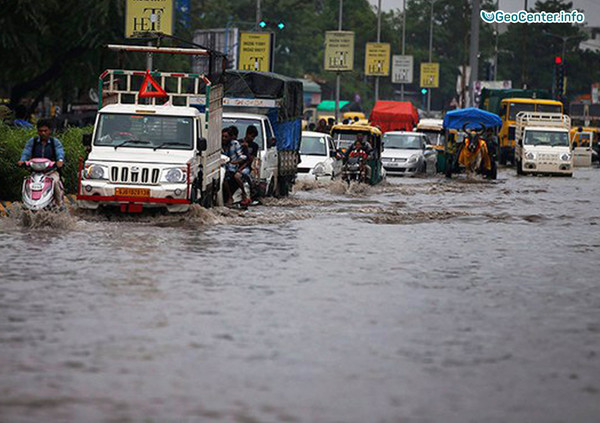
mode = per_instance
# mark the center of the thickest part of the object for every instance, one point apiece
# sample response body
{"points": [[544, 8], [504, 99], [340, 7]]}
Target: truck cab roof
{"points": [[151, 110]]}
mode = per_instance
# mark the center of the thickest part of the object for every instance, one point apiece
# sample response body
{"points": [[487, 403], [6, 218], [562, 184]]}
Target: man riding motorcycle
{"points": [[360, 149], [47, 147]]}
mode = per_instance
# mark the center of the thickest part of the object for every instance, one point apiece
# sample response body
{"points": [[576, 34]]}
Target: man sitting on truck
{"points": [[233, 179]]}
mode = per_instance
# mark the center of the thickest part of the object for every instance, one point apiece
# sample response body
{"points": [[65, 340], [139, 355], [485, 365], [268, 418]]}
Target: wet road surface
{"points": [[422, 300]]}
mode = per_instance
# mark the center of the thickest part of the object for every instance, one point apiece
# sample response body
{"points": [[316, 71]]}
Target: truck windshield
{"points": [[143, 131], [242, 125], [519, 107], [433, 137], [313, 146], [404, 142], [553, 139], [549, 108]]}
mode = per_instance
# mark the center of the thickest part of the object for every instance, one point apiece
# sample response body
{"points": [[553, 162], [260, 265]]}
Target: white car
{"points": [[407, 153], [318, 159]]}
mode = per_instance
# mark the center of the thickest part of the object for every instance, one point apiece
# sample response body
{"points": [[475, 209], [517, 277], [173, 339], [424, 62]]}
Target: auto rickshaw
{"points": [[345, 135], [476, 126]]}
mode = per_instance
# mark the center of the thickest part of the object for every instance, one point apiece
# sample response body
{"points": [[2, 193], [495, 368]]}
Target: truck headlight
{"points": [[413, 159], [319, 169], [565, 157], [96, 172], [530, 156], [173, 175]]}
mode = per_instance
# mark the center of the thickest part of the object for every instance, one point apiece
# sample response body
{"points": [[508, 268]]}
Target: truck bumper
{"points": [[95, 194], [564, 168]]}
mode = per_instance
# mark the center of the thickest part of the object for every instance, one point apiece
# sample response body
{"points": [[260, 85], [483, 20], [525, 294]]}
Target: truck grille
{"points": [[548, 157], [134, 175]]}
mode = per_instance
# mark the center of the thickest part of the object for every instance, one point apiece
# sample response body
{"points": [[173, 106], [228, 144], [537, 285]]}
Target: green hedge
{"points": [[12, 142]]}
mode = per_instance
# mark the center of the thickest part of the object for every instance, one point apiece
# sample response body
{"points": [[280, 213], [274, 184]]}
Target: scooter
{"points": [[38, 189]]}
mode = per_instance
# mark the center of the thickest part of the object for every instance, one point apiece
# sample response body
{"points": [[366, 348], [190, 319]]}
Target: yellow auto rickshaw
{"points": [[344, 137]]}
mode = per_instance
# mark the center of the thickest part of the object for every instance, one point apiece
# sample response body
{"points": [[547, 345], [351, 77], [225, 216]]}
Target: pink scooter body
{"points": [[38, 189]]}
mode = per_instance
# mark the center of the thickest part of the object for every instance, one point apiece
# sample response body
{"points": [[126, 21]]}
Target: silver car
{"points": [[407, 153]]}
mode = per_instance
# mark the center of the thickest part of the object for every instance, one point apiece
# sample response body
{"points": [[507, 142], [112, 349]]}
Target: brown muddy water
{"points": [[421, 300]]}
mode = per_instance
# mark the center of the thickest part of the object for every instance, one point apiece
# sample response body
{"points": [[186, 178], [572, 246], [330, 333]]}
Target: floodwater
{"points": [[421, 300]]}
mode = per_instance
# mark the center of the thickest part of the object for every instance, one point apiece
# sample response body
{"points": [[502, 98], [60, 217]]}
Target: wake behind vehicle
{"points": [[153, 155], [38, 188], [318, 158], [474, 149], [344, 137], [543, 145], [407, 153]]}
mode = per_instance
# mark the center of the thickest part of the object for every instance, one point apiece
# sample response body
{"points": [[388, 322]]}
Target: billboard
{"points": [[148, 16], [402, 69], [339, 51], [377, 59], [256, 49], [430, 75]]}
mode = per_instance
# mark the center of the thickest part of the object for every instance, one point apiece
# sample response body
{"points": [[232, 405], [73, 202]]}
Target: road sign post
{"points": [[339, 57], [430, 77]]}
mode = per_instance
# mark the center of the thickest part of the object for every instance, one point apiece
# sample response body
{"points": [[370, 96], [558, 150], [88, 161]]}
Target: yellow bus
{"points": [[509, 107]]}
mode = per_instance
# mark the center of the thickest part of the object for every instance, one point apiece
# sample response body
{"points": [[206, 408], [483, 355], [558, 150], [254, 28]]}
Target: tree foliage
{"points": [[55, 48]]}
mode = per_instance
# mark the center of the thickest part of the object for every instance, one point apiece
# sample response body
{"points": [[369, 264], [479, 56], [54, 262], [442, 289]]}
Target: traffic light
{"points": [[263, 24], [281, 25], [423, 91], [558, 60]]}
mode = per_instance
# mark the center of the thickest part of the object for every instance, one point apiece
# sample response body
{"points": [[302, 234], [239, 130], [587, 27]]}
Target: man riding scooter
{"points": [[44, 146]]}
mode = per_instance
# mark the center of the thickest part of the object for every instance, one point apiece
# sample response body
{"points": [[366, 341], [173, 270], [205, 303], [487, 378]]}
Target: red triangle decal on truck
{"points": [[156, 91]]}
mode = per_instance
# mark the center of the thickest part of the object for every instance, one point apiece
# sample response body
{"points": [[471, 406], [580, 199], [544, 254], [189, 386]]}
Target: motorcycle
{"points": [[354, 168], [38, 188]]}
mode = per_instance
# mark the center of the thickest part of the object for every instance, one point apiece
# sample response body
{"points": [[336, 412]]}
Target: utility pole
{"points": [[258, 14], [403, 42], [495, 76], [474, 51], [337, 78], [378, 40], [430, 51]]}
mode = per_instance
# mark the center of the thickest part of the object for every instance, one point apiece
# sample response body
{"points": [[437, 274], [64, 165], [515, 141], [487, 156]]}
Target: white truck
{"points": [[153, 155], [542, 144]]}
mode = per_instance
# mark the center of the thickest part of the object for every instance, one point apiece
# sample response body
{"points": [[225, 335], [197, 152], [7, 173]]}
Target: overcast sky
{"points": [[591, 8]]}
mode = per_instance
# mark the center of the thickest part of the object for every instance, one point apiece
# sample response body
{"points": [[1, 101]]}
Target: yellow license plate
{"points": [[133, 192]]}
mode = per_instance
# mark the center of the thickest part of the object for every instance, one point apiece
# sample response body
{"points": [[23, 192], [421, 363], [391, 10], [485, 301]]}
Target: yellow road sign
{"points": [[339, 51], [255, 51], [377, 59], [148, 16], [430, 75]]}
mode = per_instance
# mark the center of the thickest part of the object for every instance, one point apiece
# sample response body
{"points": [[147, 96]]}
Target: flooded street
{"points": [[420, 300]]}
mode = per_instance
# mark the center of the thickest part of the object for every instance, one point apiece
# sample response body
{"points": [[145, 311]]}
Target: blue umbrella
{"points": [[473, 118]]}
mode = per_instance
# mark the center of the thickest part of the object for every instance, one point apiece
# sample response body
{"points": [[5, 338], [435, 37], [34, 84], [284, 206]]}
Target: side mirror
{"points": [[332, 153], [86, 140], [202, 144], [272, 143]]}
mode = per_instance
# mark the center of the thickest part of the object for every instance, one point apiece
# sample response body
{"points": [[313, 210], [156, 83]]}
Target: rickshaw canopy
{"points": [[473, 118]]}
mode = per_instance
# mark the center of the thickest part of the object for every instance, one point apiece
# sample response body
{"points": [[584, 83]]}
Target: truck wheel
{"points": [[519, 167]]}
